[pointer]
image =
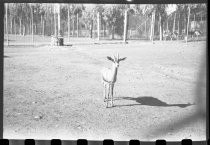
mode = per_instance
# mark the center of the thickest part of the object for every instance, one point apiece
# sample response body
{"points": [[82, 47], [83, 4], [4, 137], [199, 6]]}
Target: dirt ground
{"points": [[56, 92]]}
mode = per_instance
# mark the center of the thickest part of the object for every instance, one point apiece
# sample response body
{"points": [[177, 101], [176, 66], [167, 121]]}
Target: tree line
{"points": [[42, 18]]}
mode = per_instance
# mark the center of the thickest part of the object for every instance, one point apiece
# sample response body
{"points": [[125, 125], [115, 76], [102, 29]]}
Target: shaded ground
{"points": [[55, 92]]}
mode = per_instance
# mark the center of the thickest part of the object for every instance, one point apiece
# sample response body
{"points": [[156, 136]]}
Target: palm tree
{"points": [[128, 9], [32, 21], [158, 10], [113, 15], [99, 9], [87, 18], [77, 11], [91, 13]]}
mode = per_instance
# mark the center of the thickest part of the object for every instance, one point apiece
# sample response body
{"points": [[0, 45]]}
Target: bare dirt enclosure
{"points": [[56, 92]]}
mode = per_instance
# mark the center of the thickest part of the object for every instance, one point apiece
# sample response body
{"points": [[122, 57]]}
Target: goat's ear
{"points": [[109, 58], [121, 59]]}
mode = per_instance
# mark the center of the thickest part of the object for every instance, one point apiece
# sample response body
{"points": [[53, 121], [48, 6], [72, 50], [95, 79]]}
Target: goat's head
{"points": [[116, 60]]}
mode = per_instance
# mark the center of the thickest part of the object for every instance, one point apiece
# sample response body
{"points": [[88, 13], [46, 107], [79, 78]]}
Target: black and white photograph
{"points": [[104, 71]]}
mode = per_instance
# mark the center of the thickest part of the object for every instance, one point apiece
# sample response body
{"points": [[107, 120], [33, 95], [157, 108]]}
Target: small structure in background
{"points": [[57, 41]]}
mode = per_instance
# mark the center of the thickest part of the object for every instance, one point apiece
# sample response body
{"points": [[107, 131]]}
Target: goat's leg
{"points": [[108, 93], [112, 91], [108, 96], [105, 98]]}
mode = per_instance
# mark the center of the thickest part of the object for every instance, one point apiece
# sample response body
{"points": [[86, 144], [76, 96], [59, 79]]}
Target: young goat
{"points": [[109, 77]]}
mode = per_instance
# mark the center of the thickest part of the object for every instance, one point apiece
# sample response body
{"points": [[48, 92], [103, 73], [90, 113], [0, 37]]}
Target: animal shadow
{"points": [[5, 56], [150, 101]]}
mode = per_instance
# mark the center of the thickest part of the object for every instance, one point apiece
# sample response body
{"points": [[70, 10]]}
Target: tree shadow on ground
{"points": [[150, 101]]}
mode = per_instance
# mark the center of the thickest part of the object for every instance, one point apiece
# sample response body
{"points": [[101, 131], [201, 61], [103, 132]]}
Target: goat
{"points": [[109, 77]]}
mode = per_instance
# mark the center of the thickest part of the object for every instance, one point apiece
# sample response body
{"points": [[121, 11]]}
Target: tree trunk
{"points": [[51, 24], [152, 26], [98, 26], [11, 26], [179, 25], [32, 24], [158, 28], [125, 26], [161, 28], [68, 24], [35, 29], [113, 31], [43, 28], [145, 28], [77, 24], [41, 25], [20, 26], [7, 24], [15, 26], [153, 33], [59, 21], [28, 29], [55, 30], [188, 21], [174, 25], [24, 30], [104, 30], [73, 26], [91, 29]]}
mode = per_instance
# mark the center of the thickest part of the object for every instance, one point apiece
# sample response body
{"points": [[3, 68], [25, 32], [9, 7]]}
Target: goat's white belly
{"points": [[107, 74]]}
